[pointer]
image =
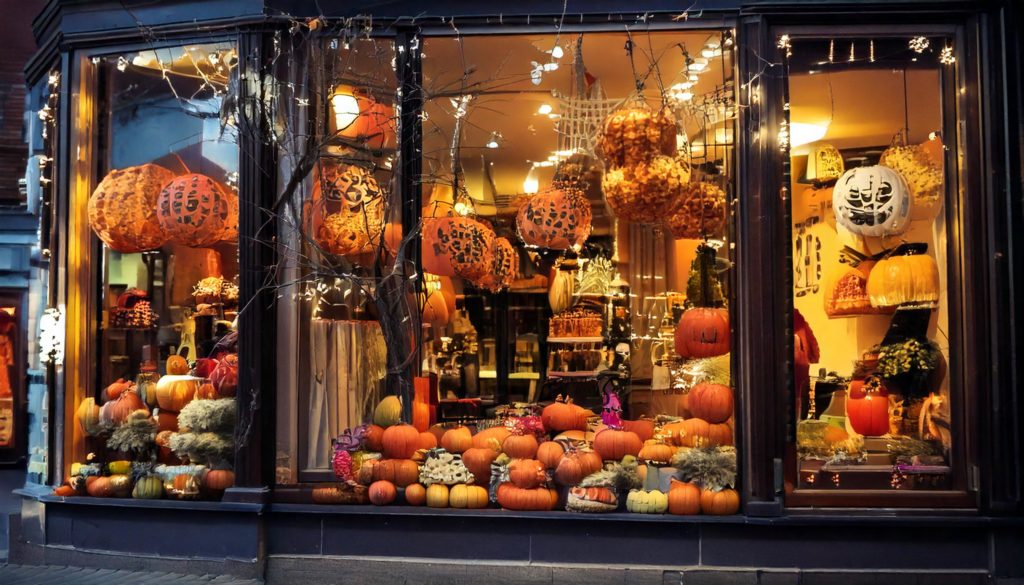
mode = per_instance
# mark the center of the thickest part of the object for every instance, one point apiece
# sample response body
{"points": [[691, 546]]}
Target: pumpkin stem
{"points": [[182, 163]]}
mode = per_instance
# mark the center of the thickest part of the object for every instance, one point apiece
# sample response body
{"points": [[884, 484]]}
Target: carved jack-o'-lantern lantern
{"points": [[699, 211], [504, 266], [357, 202], [351, 185], [556, 219], [867, 407], [197, 211], [824, 163], [457, 246], [122, 209], [872, 201]]}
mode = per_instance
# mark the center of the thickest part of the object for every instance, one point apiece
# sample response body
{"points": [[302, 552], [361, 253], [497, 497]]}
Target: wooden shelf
{"points": [[583, 374], [575, 339]]}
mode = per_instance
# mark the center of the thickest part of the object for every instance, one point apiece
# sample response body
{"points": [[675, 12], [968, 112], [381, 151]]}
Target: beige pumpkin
{"points": [[174, 392]]}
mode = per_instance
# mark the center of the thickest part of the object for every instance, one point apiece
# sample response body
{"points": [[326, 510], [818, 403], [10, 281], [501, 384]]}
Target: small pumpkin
{"points": [[711, 402], [177, 365], [400, 441], [88, 416], [150, 487], [374, 440], [427, 441], [703, 332], [721, 503], [401, 472], [174, 392], [683, 498], [613, 444], [520, 446], [643, 427], [468, 496], [437, 496], [415, 494], [388, 412], [550, 453], [526, 473], [647, 502], [656, 452], [576, 465], [382, 493], [483, 439], [511, 497], [457, 440], [116, 411]]}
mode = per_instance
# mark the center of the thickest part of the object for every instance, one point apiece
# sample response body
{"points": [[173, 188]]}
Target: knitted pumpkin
{"points": [[197, 211], [645, 192], [123, 208], [556, 219], [699, 211]]}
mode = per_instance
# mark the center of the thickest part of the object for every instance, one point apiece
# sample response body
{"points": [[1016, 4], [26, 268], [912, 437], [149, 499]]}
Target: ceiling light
{"points": [[557, 52], [494, 140], [544, 109], [530, 183], [801, 133], [709, 53], [699, 64]]}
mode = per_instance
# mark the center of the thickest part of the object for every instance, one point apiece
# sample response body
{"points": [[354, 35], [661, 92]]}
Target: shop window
{"points": [[573, 292], [153, 276], [873, 179]]}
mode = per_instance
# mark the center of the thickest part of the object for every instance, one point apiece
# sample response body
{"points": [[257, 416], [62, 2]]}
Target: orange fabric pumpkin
{"points": [[511, 497], [520, 446], [526, 473], [457, 246], [488, 437], [563, 415], [457, 440], [196, 211], [415, 494], [684, 498], [723, 503], [703, 332], [504, 267], [711, 402], [400, 441], [123, 208], [478, 461], [556, 219], [549, 453], [613, 444], [174, 392], [382, 493]]}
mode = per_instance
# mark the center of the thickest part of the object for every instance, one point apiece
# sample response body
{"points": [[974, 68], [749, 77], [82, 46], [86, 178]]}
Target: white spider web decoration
{"points": [[583, 119]]}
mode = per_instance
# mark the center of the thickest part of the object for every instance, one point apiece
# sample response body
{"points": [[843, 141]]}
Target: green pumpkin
{"points": [[148, 488], [388, 412], [647, 502]]}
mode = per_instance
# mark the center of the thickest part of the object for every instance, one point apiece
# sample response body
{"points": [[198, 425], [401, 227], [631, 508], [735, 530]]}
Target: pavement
{"points": [[32, 575], [10, 479]]}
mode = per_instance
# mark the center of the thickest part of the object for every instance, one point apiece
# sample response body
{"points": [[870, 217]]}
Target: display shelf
{"points": [[581, 374], [493, 374], [575, 340]]}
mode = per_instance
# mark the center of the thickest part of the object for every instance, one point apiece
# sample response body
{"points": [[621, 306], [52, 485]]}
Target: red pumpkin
{"points": [[613, 445], [457, 246], [457, 440], [116, 411], [549, 453], [564, 416], [400, 441], [374, 440], [526, 473], [382, 493], [520, 446], [511, 497], [123, 208], [225, 376], [867, 407], [683, 498], [478, 461], [711, 402], [196, 211], [703, 332], [555, 219]]}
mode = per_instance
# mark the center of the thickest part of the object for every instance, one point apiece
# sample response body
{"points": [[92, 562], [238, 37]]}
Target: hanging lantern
{"points": [[923, 176], [350, 233], [556, 219], [457, 246], [635, 134], [643, 193], [352, 186], [867, 407], [196, 211], [123, 208], [357, 224], [824, 163], [908, 277], [872, 201], [700, 211], [359, 118], [846, 293], [504, 267]]}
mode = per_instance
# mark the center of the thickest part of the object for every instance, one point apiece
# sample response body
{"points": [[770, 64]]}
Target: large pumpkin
{"points": [[636, 133], [867, 407], [504, 267], [720, 503], [196, 211], [645, 192], [457, 440], [122, 209], [699, 211], [550, 453], [520, 446], [683, 498], [478, 461], [923, 175], [457, 246], [703, 332], [872, 201], [643, 427], [613, 444], [400, 441], [116, 411], [526, 473], [511, 497], [909, 276], [556, 220], [174, 392], [491, 438], [563, 415], [401, 472], [711, 402]]}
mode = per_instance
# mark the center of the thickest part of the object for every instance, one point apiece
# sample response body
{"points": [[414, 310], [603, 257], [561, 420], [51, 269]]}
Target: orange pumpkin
{"points": [[555, 219], [218, 480], [427, 441], [196, 211], [867, 407], [703, 332], [520, 446], [564, 416], [721, 503], [361, 119], [400, 441], [526, 473], [401, 472], [483, 439], [576, 465], [99, 487], [437, 495], [115, 389], [643, 427], [613, 444], [656, 452], [166, 421], [719, 434], [177, 365], [684, 498], [549, 453], [415, 494], [468, 496], [174, 392], [374, 440], [504, 267], [511, 497], [382, 493], [711, 402], [122, 209], [457, 440], [478, 461], [457, 246]]}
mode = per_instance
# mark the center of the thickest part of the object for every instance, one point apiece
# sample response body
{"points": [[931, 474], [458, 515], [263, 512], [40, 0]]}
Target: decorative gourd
{"points": [[646, 502], [382, 493], [401, 472], [562, 290], [923, 175], [908, 277], [644, 193], [635, 133], [116, 411], [867, 407], [374, 439], [643, 427], [721, 503], [457, 440], [703, 332], [468, 496], [576, 465], [150, 487], [120, 467], [116, 388], [511, 497], [99, 487], [613, 445], [563, 415], [504, 267], [549, 453], [174, 392], [520, 446], [177, 365], [437, 496], [872, 201], [719, 435], [526, 473], [400, 441], [555, 219], [457, 246], [711, 402], [388, 412], [218, 480], [415, 494], [487, 438], [699, 211], [122, 209], [88, 415], [427, 441], [683, 498], [224, 377], [196, 211]]}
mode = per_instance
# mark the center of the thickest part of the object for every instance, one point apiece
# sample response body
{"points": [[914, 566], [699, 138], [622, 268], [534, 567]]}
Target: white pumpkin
{"points": [[872, 201], [647, 502]]}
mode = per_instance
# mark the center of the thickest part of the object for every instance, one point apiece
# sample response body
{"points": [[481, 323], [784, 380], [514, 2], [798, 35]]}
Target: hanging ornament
{"points": [[197, 211], [825, 163], [872, 201], [635, 134], [909, 276], [556, 219], [457, 246], [642, 193], [923, 175], [123, 208], [698, 212], [504, 267]]}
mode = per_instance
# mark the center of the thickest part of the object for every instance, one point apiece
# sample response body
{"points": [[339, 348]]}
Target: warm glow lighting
{"points": [[723, 135], [697, 149], [557, 52], [51, 336], [544, 109], [530, 184], [463, 208], [699, 64], [801, 133], [709, 53], [346, 110]]}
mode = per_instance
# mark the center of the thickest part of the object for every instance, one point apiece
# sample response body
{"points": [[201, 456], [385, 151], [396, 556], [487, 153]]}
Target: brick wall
{"points": [[16, 46]]}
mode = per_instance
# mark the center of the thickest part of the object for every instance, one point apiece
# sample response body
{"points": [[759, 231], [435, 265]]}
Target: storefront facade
{"points": [[323, 277]]}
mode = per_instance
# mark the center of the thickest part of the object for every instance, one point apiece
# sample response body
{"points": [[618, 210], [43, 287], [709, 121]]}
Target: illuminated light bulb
{"points": [[544, 109], [346, 110], [709, 53], [530, 184], [550, 66], [494, 140], [699, 64], [686, 96], [557, 52], [693, 78]]}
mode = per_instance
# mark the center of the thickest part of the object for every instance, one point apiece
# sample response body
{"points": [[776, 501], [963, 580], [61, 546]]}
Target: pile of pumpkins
{"points": [[533, 468], [118, 479]]}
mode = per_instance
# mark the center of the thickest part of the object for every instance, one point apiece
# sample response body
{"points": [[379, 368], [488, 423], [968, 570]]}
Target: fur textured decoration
{"points": [[711, 468], [136, 435]]}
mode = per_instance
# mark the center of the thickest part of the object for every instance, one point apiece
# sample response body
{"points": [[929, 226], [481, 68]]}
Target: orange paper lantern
{"points": [[504, 266], [556, 219], [123, 208], [457, 246], [196, 211]]}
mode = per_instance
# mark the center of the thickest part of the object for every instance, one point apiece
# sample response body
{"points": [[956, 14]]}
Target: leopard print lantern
{"points": [[504, 267], [636, 134], [557, 220], [353, 186], [196, 211], [872, 201], [699, 211], [123, 208], [347, 210], [643, 193], [457, 246], [350, 233]]}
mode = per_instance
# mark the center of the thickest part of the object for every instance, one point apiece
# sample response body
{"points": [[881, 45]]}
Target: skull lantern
{"points": [[872, 201]]}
